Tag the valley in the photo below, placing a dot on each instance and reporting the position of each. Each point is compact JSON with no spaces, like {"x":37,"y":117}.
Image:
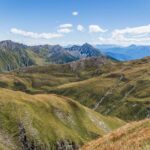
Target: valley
{"x":74,"y":75}
{"x":55,"y":103}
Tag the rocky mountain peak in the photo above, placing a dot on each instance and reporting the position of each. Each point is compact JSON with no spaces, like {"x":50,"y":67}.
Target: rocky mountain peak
{"x":8,"y":44}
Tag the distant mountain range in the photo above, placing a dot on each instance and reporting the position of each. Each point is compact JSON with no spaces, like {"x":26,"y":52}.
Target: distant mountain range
{"x":14,"y":55}
{"x":131,"y":52}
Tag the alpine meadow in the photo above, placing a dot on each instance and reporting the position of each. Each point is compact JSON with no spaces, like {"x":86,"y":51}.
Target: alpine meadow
{"x":74,"y":75}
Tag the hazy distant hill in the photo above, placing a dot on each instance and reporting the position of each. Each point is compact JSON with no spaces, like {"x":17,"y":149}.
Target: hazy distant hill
{"x":125,"y":53}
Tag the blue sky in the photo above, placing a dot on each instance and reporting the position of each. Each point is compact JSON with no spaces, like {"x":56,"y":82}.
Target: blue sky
{"x":64,"y":22}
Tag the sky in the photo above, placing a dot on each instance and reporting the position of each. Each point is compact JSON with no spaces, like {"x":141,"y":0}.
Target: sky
{"x":65,"y":22}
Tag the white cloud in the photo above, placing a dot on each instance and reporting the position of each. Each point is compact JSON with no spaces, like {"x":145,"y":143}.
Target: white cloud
{"x":64,"y":30}
{"x":35,"y":35}
{"x":135,"y":35}
{"x":80,"y":28}
{"x":96,"y":29}
{"x":133,"y":30}
{"x":67,"y":25}
{"x":75,"y":13}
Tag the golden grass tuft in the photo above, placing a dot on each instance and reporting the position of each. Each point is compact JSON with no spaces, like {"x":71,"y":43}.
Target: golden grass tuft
{"x":133,"y":136}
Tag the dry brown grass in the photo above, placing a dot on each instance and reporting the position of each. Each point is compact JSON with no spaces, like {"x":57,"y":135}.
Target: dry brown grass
{"x":133,"y":136}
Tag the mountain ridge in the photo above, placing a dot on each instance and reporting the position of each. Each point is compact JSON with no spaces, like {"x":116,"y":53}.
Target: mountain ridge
{"x":134,"y":135}
{"x":48,"y":121}
{"x":86,"y":50}
{"x":23,"y":56}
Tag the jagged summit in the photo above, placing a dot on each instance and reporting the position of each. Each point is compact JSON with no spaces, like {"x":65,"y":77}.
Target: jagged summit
{"x":87,"y":45}
{"x":86,"y":50}
{"x":8,"y":44}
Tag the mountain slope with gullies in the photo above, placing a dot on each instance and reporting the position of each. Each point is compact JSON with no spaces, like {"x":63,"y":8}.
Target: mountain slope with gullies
{"x":53,"y":54}
{"x":132,"y":136}
{"x":13,"y":55}
{"x":48,"y":121}
{"x":41,"y":79}
{"x":118,"y":89}
{"x":45,"y":107}
{"x":109,"y":87}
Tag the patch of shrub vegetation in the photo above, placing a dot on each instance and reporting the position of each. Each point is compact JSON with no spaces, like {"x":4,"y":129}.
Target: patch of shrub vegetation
{"x":3,"y":84}
{"x":20,"y":86}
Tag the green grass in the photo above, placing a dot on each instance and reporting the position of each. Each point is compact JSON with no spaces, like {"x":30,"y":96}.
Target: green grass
{"x":87,"y":82}
{"x":50,"y":118}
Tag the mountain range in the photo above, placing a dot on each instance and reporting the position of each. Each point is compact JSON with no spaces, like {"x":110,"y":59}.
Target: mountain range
{"x":131,"y":52}
{"x":62,"y":106}
{"x":56,"y":98}
{"x":15,"y":55}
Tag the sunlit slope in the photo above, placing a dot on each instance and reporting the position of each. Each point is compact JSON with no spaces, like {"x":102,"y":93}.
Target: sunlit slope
{"x":41,"y":79}
{"x":111,"y":88}
{"x":133,"y":136}
{"x":46,"y":120}
{"x":123,"y":90}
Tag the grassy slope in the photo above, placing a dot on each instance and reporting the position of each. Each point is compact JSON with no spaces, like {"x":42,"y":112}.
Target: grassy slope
{"x":133,"y":136}
{"x":87,"y":82}
{"x":48,"y":118}
{"x":128,"y":98}
{"x":43,"y":78}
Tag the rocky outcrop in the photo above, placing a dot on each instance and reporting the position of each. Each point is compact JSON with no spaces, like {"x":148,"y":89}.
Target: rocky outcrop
{"x":66,"y":145}
{"x":27,"y":144}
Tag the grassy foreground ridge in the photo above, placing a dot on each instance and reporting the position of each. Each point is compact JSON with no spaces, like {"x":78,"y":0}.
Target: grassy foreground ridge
{"x":44,"y":120}
{"x":61,"y":106}
{"x":133,"y":136}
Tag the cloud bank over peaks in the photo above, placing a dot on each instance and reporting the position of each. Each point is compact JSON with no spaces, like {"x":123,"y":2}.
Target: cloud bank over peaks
{"x":131,"y":35}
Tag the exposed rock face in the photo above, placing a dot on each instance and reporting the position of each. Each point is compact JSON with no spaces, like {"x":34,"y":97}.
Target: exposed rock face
{"x":53,"y":54}
{"x":66,"y":145}
{"x":86,"y":50}
{"x":27,"y":144}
